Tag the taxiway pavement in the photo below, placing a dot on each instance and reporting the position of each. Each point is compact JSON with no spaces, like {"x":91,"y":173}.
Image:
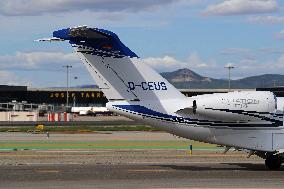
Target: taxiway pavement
{"x":128,"y":160}
{"x":189,"y":175}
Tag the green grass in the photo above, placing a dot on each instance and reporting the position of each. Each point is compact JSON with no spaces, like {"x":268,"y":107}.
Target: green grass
{"x":80,"y":128}
{"x":49,"y":145}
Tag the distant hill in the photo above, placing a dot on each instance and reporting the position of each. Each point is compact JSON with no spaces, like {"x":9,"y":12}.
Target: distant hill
{"x":185,"y":78}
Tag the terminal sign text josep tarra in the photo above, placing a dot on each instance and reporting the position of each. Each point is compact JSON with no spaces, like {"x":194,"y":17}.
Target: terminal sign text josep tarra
{"x":148,"y":86}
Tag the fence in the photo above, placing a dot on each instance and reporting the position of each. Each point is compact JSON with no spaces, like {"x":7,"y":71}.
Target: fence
{"x":18,"y":116}
{"x":59,"y":116}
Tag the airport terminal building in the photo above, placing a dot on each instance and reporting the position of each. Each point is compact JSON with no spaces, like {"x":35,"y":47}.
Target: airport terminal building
{"x":54,"y":96}
{"x":83,"y":97}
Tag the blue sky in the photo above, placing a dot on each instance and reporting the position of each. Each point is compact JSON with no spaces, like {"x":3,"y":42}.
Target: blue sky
{"x":201,"y":35}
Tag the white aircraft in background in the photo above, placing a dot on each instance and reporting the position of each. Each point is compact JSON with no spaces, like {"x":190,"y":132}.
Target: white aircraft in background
{"x":90,"y":110}
{"x":244,"y":120}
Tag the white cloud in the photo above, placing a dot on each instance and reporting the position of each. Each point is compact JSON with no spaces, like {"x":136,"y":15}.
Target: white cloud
{"x":266,"y":19}
{"x":39,"y":7}
{"x":10,"y":78}
{"x":165,"y":63}
{"x":240,"y":7}
{"x":53,"y":61}
{"x":37,"y":60}
{"x":169,"y":63}
{"x":41,"y":69}
{"x":246,"y":67}
{"x":243,"y":68}
{"x":16,"y":69}
{"x":195,"y":62}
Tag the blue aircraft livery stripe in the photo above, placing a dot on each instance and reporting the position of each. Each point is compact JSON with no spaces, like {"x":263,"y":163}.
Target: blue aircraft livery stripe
{"x":260,"y":115}
{"x":249,"y":112}
{"x":148,"y":113}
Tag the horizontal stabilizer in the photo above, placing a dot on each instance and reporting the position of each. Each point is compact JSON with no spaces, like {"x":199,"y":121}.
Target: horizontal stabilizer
{"x":52,"y":39}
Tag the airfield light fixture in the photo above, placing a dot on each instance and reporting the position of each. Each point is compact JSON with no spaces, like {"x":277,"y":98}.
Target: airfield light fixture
{"x":67,"y":83}
{"x":229,"y":67}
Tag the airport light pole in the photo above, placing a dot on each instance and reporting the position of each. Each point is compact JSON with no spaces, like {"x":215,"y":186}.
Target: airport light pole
{"x":274,"y":83}
{"x":67,"y":84}
{"x":74,"y":98}
{"x":229,"y":67}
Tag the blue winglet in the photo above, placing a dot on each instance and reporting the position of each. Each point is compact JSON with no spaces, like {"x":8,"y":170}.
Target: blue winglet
{"x":62,"y":34}
{"x":98,"y":39}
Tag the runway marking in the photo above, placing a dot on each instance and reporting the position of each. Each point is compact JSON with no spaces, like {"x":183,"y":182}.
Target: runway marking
{"x":149,"y":170}
{"x":46,"y":171}
{"x":212,"y":188}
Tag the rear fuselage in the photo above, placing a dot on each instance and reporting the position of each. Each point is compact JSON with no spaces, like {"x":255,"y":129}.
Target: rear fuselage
{"x":246,"y":120}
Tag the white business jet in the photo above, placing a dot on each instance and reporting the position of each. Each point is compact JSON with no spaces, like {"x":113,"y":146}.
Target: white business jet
{"x":241,"y":120}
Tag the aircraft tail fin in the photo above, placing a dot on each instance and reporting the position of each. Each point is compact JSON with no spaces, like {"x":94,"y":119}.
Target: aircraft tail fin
{"x":116,"y":69}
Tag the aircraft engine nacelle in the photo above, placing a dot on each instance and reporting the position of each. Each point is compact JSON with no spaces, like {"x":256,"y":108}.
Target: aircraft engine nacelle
{"x":234,"y":106}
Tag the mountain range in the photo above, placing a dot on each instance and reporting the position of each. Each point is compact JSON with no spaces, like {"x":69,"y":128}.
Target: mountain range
{"x":186,"y":78}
